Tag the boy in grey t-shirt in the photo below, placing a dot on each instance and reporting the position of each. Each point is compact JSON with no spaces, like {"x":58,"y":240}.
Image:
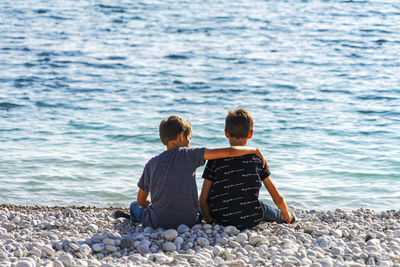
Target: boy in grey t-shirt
{"x":170,"y":178}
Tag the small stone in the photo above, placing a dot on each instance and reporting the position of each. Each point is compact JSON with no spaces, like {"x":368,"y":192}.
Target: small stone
{"x":234,"y":244}
{"x":234,"y":263}
{"x":143,"y":249}
{"x":169,"y":246}
{"x":24,"y":263}
{"x":396,"y":234}
{"x":98,"y":247}
{"x":85,"y":250}
{"x":183,"y":229}
{"x":196,"y":227}
{"x":57,"y":263}
{"x":92,"y":228}
{"x":230,"y":229}
{"x":126,"y":243}
{"x":35,"y":251}
{"x":49,"y":250}
{"x":178,"y":240}
{"x":111,"y":248}
{"x":9,"y":226}
{"x":74,"y":246}
{"x":311,"y":228}
{"x":241,"y":238}
{"x":326,"y":262}
{"x":148,"y":230}
{"x":109,"y":241}
{"x":254,"y":239}
{"x":170,"y":234}
{"x":337,"y":251}
{"x":202,"y":241}
{"x":67,"y":260}
{"x":207,"y":226}
{"x":222,"y":240}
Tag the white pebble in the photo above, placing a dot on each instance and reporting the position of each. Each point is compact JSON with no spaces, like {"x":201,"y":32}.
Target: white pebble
{"x":66,"y":259}
{"x":169,"y":246}
{"x":207,"y":226}
{"x":178,"y":240}
{"x":337,"y":250}
{"x":74,"y":246}
{"x":111,"y":248}
{"x":98,"y":247}
{"x":148,"y":230}
{"x":241,"y":238}
{"x":170,"y":234}
{"x":108,"y":241}
{"x":202,"y":241}
{"x":92,"y":228}
{"x":183,"y":229}
{"x":24,"y":263}
{"x":254,"y":239}
{"x":85,"y":249}
{"x":49,"y":250}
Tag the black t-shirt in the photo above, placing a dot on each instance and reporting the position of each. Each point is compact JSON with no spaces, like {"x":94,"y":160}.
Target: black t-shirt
{"x":233,"y":197}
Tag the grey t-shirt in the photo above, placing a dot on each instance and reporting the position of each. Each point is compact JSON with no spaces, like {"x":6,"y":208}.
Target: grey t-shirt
{"x":171,"y":180}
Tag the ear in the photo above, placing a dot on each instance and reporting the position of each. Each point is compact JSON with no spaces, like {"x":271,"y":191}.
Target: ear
{"x":250,"y":134}
{"x":227,"y":134}
{"x":181,"y":136}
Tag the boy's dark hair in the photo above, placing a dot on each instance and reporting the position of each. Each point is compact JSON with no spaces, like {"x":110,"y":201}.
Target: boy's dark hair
{"x":238,"y":123}
{"x":171,"y":127}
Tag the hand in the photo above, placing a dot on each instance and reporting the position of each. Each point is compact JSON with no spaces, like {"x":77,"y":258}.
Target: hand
{"x":286,"y":217}
{"x":258,"y":154}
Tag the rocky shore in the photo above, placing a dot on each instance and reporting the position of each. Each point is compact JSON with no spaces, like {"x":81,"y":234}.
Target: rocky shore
{"x":86,"y":236}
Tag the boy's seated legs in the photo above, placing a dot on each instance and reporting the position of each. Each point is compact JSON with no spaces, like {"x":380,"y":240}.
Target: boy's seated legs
{"x":136,"y":212}
{"x":271,"y":214}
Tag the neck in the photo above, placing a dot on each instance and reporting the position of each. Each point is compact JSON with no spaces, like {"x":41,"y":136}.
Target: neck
{"x":238,"y":141}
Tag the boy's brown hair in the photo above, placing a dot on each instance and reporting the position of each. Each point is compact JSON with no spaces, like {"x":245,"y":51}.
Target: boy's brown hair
{"x":239,"y":123}
{"x":171,"y":127}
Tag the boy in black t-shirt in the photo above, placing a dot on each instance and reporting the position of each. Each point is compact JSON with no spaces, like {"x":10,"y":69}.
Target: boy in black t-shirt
{"x":231,"y":185}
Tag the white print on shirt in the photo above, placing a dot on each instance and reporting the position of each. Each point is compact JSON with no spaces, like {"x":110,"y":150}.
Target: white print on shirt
{"x":248,"y":202}
{"x":232,"y":185}
{"x":218,"y":182}
{"x":248,"y":216}
{"x":230,"y":172}
{"x":230,"y":200}
{"x":230,"y":214}
{"x":249,"y":188}
{"x":220,"y":195}
{"x":249,"y":174}
{"x":250,"y":161}
{"x":221,"y":167}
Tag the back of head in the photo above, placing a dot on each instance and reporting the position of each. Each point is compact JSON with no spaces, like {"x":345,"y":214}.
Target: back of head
{"x":238,"y":123}
{"x":171,"y":127}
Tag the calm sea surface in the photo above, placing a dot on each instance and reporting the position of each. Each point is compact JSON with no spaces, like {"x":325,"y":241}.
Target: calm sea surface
{"x":84,"y":85}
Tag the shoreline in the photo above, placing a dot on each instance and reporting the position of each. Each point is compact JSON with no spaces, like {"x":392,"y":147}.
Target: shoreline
{"x":90,"y":236}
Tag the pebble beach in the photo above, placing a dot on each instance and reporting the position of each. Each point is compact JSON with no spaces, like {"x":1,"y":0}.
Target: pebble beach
{"x":89,"y":236}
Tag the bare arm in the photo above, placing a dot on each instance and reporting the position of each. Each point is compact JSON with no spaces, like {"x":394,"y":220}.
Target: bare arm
{"x":203,"y":200}
{"x":233,"y":151}
{"x":142,"y":199}
{"x":278,"y":199}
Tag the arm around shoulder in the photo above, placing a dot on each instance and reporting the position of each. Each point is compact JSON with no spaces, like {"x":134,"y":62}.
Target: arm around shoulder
{"x":233,"y":151}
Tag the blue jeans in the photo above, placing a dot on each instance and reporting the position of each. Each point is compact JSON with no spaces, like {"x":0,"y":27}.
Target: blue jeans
{"x":271,"y":214}
{"x":135,"y":212}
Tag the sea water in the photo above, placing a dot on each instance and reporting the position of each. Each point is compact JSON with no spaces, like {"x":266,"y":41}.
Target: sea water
{"x":84,"y":85}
